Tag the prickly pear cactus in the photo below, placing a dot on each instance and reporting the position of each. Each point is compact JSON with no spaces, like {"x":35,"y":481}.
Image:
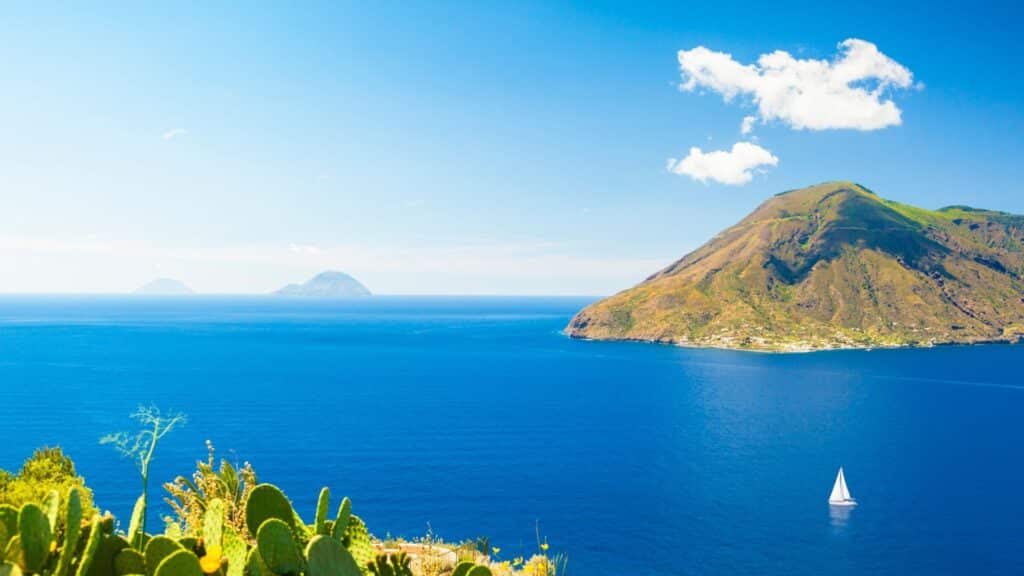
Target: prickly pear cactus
{"x":213,"y":523}
{"x":234,"y":550}
{"x":135,"y":535}
{"x":470,"y":569}
{"x":278,"y":548}
{"x":321,"y":511}
{"x":107,"y":549}
{"x":172,"y":529}
{"x":8,"y":525}
{"x":341,"y":522}
{"x":107,"y":523}
{"x":181,"y":563}
{"x":266,"y":501}
{"x":158,"y":548}
{"x":12,"y":553}
{"x":72,"y":532}
{"x":254,"y":564}
{"x":129,"y":561}
{"x":394,"y":565}
{"x":189,"y":543}
{"x":325,"y":556}
{"x":356,"y":539}
{"x":51,"y":507}
{"x":402,"y":564}
{"x":35,"y":537}
{"x":91,"y":545}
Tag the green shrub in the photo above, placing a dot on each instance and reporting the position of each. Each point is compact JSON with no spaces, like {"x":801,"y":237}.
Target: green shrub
{"x":48,"y":528}
{"x":190,"y":498}
{"x":47,"y":469}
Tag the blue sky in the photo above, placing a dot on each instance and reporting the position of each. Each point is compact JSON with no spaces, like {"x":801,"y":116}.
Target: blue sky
{"x":460,"y":148}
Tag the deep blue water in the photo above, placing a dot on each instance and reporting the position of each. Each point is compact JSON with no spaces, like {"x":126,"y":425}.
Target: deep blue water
{"x":477,"y":416}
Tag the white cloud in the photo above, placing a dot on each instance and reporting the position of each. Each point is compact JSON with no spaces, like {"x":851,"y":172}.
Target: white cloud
{"x":303,"y":248}
{"x":731,"y":167}
{"x":848,"y":92}
{"x":747,"y":126}
{"x":173,"y":133}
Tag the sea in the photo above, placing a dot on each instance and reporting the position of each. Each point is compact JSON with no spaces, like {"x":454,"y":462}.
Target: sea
{"x":468,"y":417}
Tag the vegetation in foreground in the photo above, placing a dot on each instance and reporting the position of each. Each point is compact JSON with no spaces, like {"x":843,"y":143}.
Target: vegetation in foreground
{"x":831,"y":266}
{"x":224,"y":523}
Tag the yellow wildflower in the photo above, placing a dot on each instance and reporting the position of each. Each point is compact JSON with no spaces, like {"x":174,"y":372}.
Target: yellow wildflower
{"x":518,"y":561}
{"x":544,"y":546}
{"x":495,"y":549}
{"x":211,"y":562}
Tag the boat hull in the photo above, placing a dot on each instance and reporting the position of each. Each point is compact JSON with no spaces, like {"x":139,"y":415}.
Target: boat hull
{"x":850,"y":502}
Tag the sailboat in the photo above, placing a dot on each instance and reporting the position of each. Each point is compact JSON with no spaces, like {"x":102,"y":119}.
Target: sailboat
{"x":840,"y":493}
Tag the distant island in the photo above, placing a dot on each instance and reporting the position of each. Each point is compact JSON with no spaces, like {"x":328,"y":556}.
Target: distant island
{"x":164,"y":287}
{"x":831,"y":266}
{"x":329,"y":284}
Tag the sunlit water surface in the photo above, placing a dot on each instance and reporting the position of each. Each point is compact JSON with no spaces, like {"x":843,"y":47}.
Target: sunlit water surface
{"x":475,"y":416}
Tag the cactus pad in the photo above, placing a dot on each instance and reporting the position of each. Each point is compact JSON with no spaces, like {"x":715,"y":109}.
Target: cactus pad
{"x":158,"y":548}
{"x":356,"y":539}
{"x":91,"y":545}
{"x":213,"y":523}
{"x":51,"y":507}
{"x":34,"y":529}
{"x":9,"y":522}
{"x":129,"y":561}
{"x":254,"y":564}
{"x":321,"y":510}
{"x":181,"y":563}
{"x":341,"y":522}
{"x":135,"y":527}
{"x":277,"y":547}
{"x":265,"y":502}
{"x":327,"y":557}
{"x":103,"y":561}
{"x":72,"y":531}
{"x":234,"y":550}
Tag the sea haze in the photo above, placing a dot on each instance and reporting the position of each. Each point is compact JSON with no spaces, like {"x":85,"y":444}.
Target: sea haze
{"x":476,"y":416}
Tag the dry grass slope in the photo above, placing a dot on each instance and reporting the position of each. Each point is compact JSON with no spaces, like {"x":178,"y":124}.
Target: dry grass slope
{"x":831,"y":266}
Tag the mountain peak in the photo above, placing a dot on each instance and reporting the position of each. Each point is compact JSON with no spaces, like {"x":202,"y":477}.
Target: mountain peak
{"x":832,"y":265}
{"x":814,"y":198}
{"x":825,"y":188}
{"x":327,"y":284}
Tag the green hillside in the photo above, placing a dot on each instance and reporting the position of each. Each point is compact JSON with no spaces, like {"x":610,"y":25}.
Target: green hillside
{"x":830,"y":266}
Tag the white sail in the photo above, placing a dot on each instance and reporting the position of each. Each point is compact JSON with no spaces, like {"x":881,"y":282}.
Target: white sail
{"x":840,"y":493}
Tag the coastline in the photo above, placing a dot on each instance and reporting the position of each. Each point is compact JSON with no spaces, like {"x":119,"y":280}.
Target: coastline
{"x":796,"y":349}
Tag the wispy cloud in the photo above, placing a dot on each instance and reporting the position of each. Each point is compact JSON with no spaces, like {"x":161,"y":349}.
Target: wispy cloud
{"x":173,"y":133}
{"x":849,"y":92}
{"x":747,"y":126}
{"x":733,"y":167}
{"x":304,"y":248}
